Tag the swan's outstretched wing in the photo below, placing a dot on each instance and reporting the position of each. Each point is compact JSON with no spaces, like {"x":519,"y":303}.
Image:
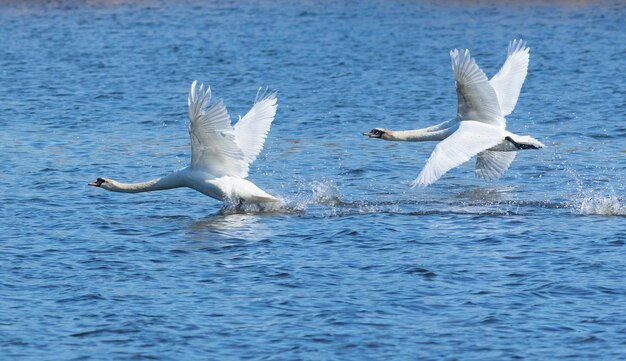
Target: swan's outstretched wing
{"x":213,"y":146}
{"x":252,"y":129}
{"x":477,"y":99}
{"x":491,"y":165}
{"x":470,"y":139}
{"x":508,"y":82}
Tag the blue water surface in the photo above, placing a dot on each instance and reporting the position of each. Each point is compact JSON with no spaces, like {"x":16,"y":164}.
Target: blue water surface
{"x":360,"y":266}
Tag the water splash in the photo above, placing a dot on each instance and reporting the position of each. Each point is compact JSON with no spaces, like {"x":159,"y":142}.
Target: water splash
{"x":593,"y":193}
{"x":601,"y":205}
{"x":592,"y":201}
{"x":262,"y":207}
{"x":325,"y":192}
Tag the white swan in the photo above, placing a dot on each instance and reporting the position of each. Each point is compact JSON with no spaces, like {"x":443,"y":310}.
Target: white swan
{"x":479,"y":127}
{"x":220,"y":153}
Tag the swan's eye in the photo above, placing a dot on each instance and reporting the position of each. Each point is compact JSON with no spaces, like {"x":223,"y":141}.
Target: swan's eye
{"x":100,"y":181}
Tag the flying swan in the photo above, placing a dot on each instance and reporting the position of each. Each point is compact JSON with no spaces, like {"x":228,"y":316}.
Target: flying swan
{"x":479,"y":127}
{"x":221,"y":154}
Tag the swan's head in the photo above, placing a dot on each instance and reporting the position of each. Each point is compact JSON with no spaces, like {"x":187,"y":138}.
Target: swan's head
{"x":105,"y":183}
{"x":378,"y":133}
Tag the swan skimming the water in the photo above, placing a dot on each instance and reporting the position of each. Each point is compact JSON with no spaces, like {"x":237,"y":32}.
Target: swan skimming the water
{"x":221,"y":154}
{"x":479,"y":127}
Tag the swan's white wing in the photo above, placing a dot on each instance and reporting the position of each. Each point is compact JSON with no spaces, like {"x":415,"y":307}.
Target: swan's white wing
{"x":213,"y":146}
{"x":477,"y":99}
{"x":252,"y":129}
{"x":491,"y":165}
{"x":470,"y":139}
{"x":508,"y":82}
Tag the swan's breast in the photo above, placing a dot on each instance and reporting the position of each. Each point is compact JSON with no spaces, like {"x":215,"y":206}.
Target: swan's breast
{"x":224,"y":187}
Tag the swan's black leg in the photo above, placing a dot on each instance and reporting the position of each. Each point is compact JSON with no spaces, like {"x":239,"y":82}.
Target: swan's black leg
{"x":520,"y":145}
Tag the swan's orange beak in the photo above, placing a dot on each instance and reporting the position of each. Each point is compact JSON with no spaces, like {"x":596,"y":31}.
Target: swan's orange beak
{"x":97,"y":183}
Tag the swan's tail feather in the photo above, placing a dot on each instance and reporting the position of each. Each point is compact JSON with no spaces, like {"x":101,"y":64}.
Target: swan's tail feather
{"x":262,"y":199}
{"x":522,"y":142}
{"x":533,"y":141}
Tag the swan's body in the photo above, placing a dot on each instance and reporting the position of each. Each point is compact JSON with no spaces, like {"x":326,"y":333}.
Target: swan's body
{"x":220,"y":153}
{"x":479,"y":127}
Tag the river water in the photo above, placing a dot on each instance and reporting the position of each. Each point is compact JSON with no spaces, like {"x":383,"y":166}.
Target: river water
{"x":360,"y":266}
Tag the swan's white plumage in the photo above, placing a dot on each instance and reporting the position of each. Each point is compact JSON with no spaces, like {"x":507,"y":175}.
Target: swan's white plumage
{"x":479,"y":127}
{"x":491,"y":164}
{"x":469,"y":139}
{"x":508,"y":82}
{"x":220,"y":154}
{"x":476,"y":98}
{"x":482,"y":106}
{"x":219,"y":148}
{"x":213,"y":146}
{"x":252,"y":129}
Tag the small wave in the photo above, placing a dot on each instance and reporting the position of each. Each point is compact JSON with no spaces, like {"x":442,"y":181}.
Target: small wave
{"x":601,"y":205}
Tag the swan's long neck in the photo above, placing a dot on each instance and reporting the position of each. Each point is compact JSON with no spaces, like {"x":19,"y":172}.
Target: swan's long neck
{"x":436,"y":132}
{"x":174,"y":180}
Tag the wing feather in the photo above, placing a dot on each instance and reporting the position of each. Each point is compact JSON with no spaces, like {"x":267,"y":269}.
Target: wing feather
{"x":252,"y":129}
{"x":491,"y":165}
{"x":213,"y":145}
{"x":508,"y":82}
{"x":470,"y":139}
{"x":476,"y":98}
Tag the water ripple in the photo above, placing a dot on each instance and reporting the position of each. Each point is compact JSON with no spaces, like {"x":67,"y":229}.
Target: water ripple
{"x":358,"y":265}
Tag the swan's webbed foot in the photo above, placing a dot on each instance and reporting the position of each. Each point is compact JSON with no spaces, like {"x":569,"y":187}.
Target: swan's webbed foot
{"x":239,"y":204}
{"x":376,"y":133}
{"x":233,"y":205}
